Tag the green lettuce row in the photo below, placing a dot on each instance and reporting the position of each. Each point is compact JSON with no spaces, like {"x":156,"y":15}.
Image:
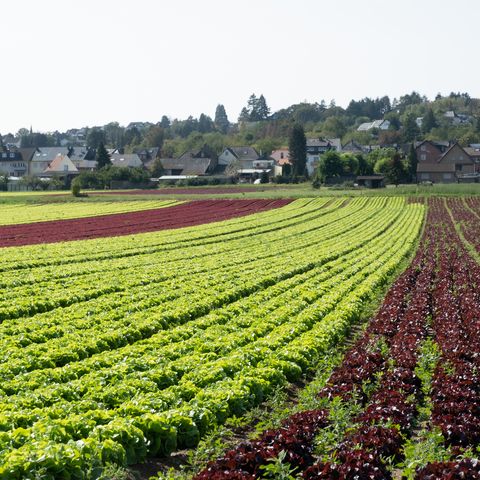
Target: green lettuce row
{"x":28,"y":213}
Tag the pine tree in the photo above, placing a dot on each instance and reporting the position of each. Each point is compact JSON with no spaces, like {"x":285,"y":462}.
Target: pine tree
{"x":410,"y":128}
{"x":428,"y":121}
{"x":297,"y":150}
{"x":157,"y":169}
{"x":205,"y":124}
{"x":221,"y":119}
{"x":165,"y":122}
{"x":244,"y":115}
{"x":412,"y":163}
{"x":102,"y":157}
{"x":251,"y":107}
{"x":261,"y":108}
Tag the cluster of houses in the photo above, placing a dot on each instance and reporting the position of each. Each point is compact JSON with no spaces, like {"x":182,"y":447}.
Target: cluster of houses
{"x":47,"y":162}
{"x":441,"y":162}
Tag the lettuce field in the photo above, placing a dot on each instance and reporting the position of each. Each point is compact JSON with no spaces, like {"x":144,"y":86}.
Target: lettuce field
{"x":128,"y":336}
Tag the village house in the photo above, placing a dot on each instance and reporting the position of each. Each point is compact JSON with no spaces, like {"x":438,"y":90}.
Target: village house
{"x":249,"y":164}
{"x":61,"y":167}
{"x":282,"y":161}
{"x":81,"y":157}
{"x":244,"y":156}
{"x":43,"y":157}
{"x":191,"y":163}
{"x":126,"y":160}
{"x":14,"y":162}
{"x":453,"y":164}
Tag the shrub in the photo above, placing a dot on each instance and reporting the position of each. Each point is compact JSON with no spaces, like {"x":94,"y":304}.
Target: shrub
{"x":76,"y":186}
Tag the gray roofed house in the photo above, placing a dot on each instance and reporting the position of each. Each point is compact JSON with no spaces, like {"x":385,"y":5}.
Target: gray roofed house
{"x":77,"y":154}
{"x":85,"y":165}
{"x":245,"y":155}
{"x":129,"y":160}
{"x":43,"y":157}
{"x":12,"y":163}
{"x":188,"y":166}
{"x":46,"y":155}
{"x":193,"y":162}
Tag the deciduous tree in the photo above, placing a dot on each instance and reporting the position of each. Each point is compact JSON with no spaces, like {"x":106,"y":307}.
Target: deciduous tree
{"x":330,"y":165}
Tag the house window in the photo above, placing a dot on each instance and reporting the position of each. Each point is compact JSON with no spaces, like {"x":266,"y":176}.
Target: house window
{"x":425,"y":176}
{"x":423,"y":156}
{"x":458,"y":167}
{"x":447,"y":176}
{"x":423,"y":148}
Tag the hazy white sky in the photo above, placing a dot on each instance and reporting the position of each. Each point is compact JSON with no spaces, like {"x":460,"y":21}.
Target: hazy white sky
{"x":73,"y":63}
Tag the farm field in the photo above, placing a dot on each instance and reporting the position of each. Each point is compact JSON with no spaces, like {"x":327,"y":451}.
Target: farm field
{"x":117,"y":350}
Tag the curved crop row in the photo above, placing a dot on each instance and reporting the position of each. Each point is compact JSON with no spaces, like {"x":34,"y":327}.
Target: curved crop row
{"x":176,"y":216}
{"x":14,"y":214}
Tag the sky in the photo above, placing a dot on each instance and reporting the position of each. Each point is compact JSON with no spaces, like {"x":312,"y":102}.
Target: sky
{"x":74,"y":63}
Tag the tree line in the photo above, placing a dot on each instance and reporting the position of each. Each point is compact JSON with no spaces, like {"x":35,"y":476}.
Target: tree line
{"x":412,"y":117}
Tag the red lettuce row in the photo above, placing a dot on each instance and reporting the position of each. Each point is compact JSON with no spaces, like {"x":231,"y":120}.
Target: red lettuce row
{"x":183,"y":215}
{"x":361,"y":454}
{"x":362,"y":363}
